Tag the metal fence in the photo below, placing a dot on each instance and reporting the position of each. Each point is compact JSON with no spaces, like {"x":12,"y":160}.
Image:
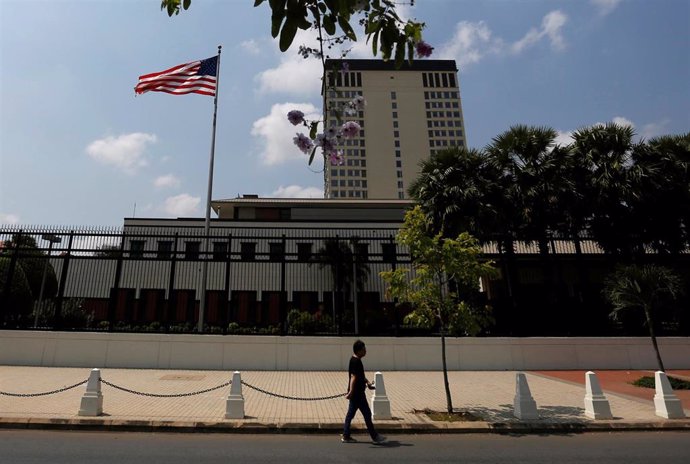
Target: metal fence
{"x":281,"y":281}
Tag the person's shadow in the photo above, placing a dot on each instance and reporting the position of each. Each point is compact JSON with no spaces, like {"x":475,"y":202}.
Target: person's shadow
{"x":390,"y":444}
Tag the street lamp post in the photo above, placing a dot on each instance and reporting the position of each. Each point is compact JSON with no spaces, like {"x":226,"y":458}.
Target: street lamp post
{"x":51,"y":239}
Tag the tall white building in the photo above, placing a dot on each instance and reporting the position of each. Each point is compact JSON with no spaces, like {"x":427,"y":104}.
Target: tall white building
{"x":410,"y":113}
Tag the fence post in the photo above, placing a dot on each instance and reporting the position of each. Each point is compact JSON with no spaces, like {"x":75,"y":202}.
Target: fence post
{"x":524,"y":405}
{"x":57,"y":321}
{"x":171,"y":307}
{"x":380,"y":404}
{"x":666,"y":402}
{"x":283,"y":294}
{"x":596,"y":404}
{"x":226,"y":305}
{"x":92,"y":401}
{"x":114,"y":293}
{"x":8,"y":280}
{"x":234,"y":406}
{"x":394,"y":265}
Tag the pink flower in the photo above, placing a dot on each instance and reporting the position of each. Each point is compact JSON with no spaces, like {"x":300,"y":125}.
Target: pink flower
{"x":304,"y":143}
{"x":423,"y":49}
{"x":359,"y":102}
{"x":346,"y":66}
{"x":350,"y":129}
{"x":336,"y":158}
{"x":295,"y":117}
{"x":325,"y":142}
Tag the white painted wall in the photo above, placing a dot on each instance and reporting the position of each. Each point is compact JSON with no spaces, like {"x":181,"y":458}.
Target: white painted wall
{"x":100,"y":350}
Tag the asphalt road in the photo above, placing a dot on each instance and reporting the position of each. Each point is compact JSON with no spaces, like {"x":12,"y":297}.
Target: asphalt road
{"x":62,"y":447}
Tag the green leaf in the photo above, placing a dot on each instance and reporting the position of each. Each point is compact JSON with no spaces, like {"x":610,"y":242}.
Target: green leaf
{"x":347,"y":29}
{"x":313,"y":129}
{"x":258,"y":2}
{"x":375,"y":43}
{"x":372,"y":26}
{"x":186,"y":4}
{"x":329,"y":24}
{"x":287,"y":34}
{"x":311,"y":157}
{"x":276,"y":21}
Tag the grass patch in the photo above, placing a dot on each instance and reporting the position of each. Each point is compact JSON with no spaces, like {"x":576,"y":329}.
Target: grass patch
{"x":648,"y":382}
{"x":445,"y":416}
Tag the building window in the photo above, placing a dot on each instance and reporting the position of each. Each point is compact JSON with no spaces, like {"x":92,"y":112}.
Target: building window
{"x":248,"y":250}
{"x":398,"y":163}
{"x":220,"y":251}
{"x":444,"y":76}
{"x":304,"y":251}
{"x":394,"y":105}
{"x":397,"y":144}
{"x":397,"y":153}
{"x":165,"y":249}
{"x":401,"y":195}
{"x":400,"y":184}
{"x":395,"y":114}
{"x":136,"y":248}
{"x":451,"y":79}
{"x":191,"y":250}
{"x":395,"y":124}
{"x":399,"y":174}
{"x":393,"y":95}
{"x":396,"y":133}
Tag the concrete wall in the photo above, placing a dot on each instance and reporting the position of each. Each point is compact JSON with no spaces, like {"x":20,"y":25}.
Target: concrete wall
{"x":67,"y":349}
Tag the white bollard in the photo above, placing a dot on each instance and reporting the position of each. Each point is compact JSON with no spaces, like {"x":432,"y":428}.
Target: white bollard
{"x":380,"y":404}
{"x":234,"y":407}
{"x":596,"y":404}
{"x":666,"y":402}
{"x":92,"y":401}
{"x":524,"y":405}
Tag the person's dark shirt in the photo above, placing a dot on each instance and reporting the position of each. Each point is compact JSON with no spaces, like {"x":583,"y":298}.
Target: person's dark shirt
{"x":356,"y":368}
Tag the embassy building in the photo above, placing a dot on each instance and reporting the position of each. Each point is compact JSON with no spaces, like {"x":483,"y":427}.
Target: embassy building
{"x":410,"y":113}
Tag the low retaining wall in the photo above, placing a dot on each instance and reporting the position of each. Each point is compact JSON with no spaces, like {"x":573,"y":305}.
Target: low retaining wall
{"x":232,"y":352}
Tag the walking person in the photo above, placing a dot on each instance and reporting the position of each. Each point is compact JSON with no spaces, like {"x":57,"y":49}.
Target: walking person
{"x":356,"y":387}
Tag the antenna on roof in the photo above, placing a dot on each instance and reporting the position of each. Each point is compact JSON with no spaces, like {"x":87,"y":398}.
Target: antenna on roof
{"x":134,"y":213}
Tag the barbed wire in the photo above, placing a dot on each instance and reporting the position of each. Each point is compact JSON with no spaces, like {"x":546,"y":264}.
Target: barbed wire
{"x":162,"y":395}
{"x":286,"y":397}
{"x":59,"y":390}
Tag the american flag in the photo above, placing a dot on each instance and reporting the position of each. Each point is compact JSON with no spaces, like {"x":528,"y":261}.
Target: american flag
{"x":195,"y":77}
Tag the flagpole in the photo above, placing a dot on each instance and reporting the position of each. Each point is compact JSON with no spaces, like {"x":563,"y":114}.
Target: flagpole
{"x":207,"y":223}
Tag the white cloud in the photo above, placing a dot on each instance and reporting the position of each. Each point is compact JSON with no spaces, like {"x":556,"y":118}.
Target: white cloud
{"x":473,"y":41}
{"x":564,"y":138}
{"x":297,"y":191}
{"x":9,"y":218}
{"x":168,"y":180}
{"x":621,"y":121}
{"x":276,"y":132}
{"x":470,"y":43}
{"x":605,"y":7}
{"x":251,"y":46}
{"x":181,"y":205}
{"x":295,"y":75}
{"x":125,"y":152}
{"x":551,"y":26}
{"x":654,"y":129}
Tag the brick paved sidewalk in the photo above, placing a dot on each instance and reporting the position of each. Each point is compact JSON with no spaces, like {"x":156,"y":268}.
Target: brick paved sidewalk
{"x":488,"y":395}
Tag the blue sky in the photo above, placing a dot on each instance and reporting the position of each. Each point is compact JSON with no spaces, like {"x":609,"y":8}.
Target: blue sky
{"x":77,"y":147}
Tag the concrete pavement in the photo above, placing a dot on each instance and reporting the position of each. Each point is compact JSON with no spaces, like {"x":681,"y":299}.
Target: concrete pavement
{"x":486,"y":394}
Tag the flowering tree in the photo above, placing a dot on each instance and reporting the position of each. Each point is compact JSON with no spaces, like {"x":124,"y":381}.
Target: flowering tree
{"x":333,"y":21}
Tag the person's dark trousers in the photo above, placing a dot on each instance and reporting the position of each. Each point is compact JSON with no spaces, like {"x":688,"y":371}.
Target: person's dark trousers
{"x":359,"y":402}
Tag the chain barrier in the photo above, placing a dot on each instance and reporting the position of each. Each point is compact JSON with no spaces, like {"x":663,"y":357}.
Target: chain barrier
{"x":30,"y":395}
{"x":175,"y":395}
{"x":285,"y":397}
{"x":159,"y":395}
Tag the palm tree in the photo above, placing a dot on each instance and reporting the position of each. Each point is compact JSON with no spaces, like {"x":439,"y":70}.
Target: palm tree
{"x":456,"y":189}
{"x":603,"y":157}
{"x":644,"y":288}
{"x":337,"y":255}
{"x":660,"y":203}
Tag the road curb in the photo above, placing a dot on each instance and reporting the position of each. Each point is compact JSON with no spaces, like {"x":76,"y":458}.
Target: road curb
{"x":117,"y":425}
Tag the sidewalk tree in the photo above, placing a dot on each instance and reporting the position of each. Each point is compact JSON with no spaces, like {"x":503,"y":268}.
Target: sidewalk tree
{"x":32,"y":261}
{"x":436,"y":261}
{"x":644,"y":288}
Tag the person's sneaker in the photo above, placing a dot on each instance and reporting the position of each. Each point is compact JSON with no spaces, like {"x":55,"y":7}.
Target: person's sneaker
{"x":345,"y":439}
{"x":379,"y":439}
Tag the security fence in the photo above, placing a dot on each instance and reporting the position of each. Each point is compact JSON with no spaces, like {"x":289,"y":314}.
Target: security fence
{"x":292,"y":280}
